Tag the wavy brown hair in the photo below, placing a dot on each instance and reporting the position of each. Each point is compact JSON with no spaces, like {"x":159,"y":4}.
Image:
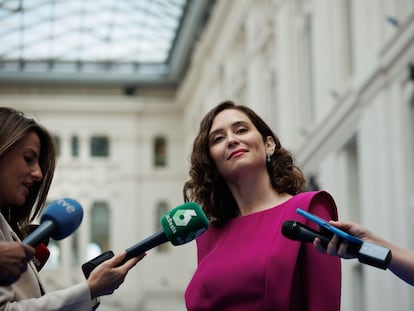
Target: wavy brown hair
{"x":210,"y":190}
{"x":13,"y":127}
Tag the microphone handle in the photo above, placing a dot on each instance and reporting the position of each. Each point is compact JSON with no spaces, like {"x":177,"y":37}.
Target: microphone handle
{"x":43,"y":231}
{"x":352,"y":248}
{"x":308,"y":235}
{"x":152,"y":241}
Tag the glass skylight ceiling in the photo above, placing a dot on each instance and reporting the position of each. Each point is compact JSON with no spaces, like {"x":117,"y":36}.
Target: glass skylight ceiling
{"x":118,"y":37}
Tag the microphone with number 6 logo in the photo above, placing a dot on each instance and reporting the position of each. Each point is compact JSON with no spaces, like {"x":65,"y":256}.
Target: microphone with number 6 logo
{"x":182,"y":224}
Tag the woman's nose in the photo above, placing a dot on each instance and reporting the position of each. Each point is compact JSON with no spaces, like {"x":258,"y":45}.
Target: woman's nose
{"x":37,"y":173}
{"x":232,"y":140}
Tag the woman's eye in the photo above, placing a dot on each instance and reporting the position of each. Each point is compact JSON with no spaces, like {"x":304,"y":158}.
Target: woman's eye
{"x":241,"y":130}
{"x":29,"y":159}
{"x":216,"y":139}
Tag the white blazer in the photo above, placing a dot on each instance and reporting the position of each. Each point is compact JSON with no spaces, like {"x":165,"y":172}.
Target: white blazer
{"x":26,"y":294}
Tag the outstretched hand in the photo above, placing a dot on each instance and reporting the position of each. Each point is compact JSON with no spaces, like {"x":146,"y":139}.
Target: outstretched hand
{"x":107,"y":277}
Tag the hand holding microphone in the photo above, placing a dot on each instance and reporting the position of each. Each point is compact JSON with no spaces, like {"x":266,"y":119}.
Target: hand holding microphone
{"x":109,"y":275}
{"x":58,"y":220}
{"x":366,"y":252}
{"x":182,"y":224}
{"x":297,"y":231}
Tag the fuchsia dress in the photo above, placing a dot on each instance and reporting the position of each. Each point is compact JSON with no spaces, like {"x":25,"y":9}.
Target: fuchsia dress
{"x":248,"y":265}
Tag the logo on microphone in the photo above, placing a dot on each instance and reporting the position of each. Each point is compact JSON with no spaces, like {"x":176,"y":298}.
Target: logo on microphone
{"x":183,"y":217}
{"x":68,"y":207}
{"x":180,"y":218}
{"x":184,"y":223}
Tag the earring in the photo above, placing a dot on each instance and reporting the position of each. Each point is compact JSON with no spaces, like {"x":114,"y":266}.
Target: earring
{"x":268,"y":157}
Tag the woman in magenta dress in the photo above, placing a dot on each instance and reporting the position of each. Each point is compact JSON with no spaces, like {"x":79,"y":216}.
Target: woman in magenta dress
{"x":248,"y":186}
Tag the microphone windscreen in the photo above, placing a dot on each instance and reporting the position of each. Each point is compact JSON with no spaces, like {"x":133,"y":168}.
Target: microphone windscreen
{"x":40,"y":256}
{"x":299,"y":232}
{"x":184,"y":223}
{"x":291,"y":230}
{"x":66,"y":214}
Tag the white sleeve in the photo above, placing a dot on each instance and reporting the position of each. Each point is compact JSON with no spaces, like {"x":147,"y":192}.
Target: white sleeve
{"x":76,"y":297}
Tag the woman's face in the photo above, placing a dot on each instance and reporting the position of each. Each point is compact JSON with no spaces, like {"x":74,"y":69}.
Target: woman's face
{"x":236,"y":144}
{"x":19,"y":169}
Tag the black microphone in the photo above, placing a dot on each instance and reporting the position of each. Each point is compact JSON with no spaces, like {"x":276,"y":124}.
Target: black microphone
{"x":296,"y":231}
{"x":58,"y":220}
{"x":182,"y":224}
{"x":367,"y":253}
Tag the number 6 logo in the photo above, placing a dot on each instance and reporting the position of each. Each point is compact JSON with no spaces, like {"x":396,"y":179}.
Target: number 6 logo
{"x":183,"y":217}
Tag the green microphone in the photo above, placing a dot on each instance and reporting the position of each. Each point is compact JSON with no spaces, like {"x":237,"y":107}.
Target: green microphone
{"x":180,"y":225}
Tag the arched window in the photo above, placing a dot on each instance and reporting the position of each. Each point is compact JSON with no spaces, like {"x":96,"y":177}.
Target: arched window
{"x":75,"y":249}
{"x":74,"y":141}
{"x":100,"y":229}
{"x":56,"y":140}
{"x":160,"y":151}
{"x":161,"y":209}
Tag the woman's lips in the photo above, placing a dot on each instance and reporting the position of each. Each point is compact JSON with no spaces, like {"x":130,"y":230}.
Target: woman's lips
{"x":237,"y":153}
{"x":27,"y":187}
